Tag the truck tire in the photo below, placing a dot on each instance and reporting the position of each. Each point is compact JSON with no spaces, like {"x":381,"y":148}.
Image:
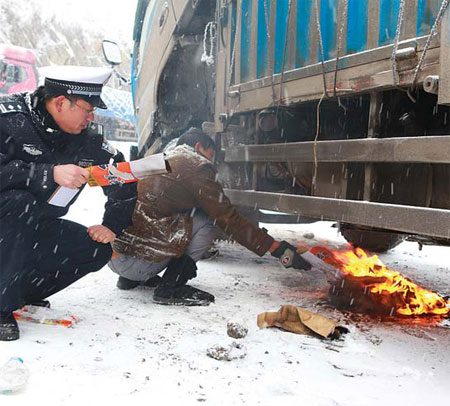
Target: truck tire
{"x":371,"y":240}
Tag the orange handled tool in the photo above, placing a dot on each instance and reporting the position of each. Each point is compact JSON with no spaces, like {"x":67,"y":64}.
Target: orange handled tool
{"x":126,"y":172}
{"x":111,"y":174}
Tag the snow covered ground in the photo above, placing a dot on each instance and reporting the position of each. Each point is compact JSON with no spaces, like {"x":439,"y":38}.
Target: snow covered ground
{"x":126,"y":348}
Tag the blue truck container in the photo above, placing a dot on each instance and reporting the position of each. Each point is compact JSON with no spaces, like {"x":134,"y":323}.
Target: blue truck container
{"x":325,"y":109}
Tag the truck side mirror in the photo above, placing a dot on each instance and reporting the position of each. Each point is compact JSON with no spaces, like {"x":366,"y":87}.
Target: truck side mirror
{"x":111,"y":52}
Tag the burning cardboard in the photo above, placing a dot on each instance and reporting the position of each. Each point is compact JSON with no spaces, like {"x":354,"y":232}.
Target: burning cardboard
{"x":367,"y":285}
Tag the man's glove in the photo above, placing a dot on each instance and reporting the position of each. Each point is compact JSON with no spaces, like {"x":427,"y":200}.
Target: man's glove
{"x":289,"y":257}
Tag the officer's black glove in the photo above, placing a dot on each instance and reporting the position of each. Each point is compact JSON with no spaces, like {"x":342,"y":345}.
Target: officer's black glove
{"x":289,"y":257}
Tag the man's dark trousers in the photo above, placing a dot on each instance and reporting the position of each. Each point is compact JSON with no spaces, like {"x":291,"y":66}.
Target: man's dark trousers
{"x":40,"y":256}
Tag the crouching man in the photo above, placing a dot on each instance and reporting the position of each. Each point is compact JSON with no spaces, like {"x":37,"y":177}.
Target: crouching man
{"x":174,"y":225}
{"x":47,"y":141}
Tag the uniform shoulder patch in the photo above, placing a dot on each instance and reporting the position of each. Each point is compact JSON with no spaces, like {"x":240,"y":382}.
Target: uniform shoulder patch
{"x":95,"y":128}
{"x":12,"y":107}
{"x":32,"y":149}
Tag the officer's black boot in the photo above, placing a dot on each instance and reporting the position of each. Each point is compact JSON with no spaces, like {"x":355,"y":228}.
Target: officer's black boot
{"x":173,"y":290}
{"x":9,"y":330}
{"x":40,"y":303}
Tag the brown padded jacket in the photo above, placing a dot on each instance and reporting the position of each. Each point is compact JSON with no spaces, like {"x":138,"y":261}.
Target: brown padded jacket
{"x":162,"y":219}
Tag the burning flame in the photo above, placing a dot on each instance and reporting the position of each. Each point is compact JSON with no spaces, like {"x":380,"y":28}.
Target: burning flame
{"x":372,"y":273}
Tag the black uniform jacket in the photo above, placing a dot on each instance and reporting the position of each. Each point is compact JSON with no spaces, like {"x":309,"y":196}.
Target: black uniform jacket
{"x":31,"y":144}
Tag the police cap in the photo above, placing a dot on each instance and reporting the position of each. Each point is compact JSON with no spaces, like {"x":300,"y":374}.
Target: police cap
{"x":80,"y":81}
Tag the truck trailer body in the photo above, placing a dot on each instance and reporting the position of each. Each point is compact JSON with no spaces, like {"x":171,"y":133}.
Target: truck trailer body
{"x":324,"y":109}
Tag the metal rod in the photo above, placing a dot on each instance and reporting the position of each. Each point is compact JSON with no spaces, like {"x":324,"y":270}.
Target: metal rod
{"x":432,"y":149}
{"x":406,"y":219}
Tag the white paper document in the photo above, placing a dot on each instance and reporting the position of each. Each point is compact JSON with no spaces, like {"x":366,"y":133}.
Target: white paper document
{"x":62,"y":196}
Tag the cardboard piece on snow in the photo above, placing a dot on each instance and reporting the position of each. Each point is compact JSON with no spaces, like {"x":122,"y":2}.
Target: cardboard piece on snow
{"x":301,"y":321}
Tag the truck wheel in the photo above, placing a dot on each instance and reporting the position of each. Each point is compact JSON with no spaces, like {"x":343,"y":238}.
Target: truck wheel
{"x":372,"y":240}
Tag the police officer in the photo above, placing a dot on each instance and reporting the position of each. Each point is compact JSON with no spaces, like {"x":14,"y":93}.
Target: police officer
{"x":47,"y":139}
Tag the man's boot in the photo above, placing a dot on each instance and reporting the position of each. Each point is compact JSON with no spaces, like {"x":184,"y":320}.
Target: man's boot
{"x":128,"y":284}
{"x":173,"y":289}
{"x":9,"y":330}
{"x":153,"y":282}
